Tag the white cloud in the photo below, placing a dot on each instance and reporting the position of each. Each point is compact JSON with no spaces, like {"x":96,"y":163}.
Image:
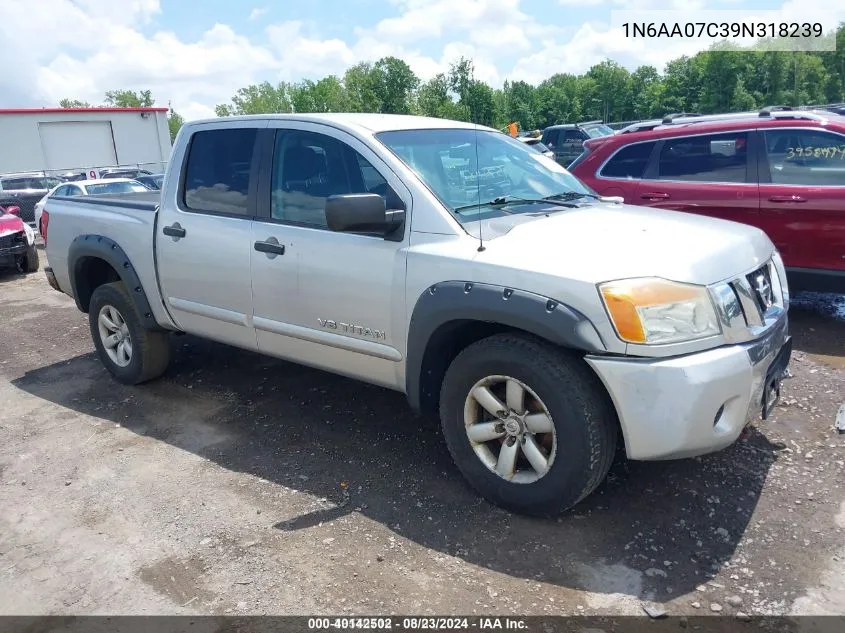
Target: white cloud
{"x":81,"y":48}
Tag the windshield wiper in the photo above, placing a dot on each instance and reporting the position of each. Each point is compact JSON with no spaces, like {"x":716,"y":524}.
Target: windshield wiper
{"x":503,"y":200}
{"x":571,"y":195}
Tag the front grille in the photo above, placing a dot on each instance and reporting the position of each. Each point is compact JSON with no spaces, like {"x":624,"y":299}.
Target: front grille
{"x":761,"y":284}
{"x":751,"y":303}
{"x":15,"y":239}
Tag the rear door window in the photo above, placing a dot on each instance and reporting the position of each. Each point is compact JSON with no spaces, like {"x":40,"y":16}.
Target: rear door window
{"x":716,"y":158}
{"x":630,"y":162}
{"x":217,"y":173}
{"x":805,"y":157}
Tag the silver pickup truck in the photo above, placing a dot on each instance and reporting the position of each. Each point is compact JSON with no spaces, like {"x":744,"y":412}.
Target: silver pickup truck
{"x":452,"y":263}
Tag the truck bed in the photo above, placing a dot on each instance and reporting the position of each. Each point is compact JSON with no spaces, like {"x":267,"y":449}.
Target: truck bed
{"x":142,"y":201}
{"x":127,"y":219}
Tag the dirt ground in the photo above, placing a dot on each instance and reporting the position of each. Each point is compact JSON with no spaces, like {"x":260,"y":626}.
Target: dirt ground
{"x":238,"y":484}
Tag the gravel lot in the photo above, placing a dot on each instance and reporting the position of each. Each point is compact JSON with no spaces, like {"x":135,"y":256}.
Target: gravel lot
{"x":240,"y":484}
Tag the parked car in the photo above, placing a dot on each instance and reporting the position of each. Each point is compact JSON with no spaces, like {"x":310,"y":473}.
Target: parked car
{"x":566,"y":141}
{"x":23,"y":190}
{"x":86,"y":188}
{"x":542,"y":323}
{"x":780,"y":170}
{"x":123,"y":172}
{"x":17,"y":241}
{"x":535,"y":143}
{"x":29,"y":181}
{"x":153,"y":181}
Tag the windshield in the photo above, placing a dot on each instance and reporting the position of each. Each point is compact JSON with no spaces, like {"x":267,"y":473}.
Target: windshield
{"x":115,"y":187}
{"x":461,"y":174}
{"x":599,"y":130}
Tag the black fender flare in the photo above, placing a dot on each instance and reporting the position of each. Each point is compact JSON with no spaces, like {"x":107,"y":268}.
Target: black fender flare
{"x":455,"y":301}
{"x":101,"y":247}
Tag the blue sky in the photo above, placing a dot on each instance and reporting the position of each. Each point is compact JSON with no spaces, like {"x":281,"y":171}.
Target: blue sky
{"x":198,"y":58}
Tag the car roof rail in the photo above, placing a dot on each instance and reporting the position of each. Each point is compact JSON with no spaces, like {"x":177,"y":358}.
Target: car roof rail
{"x":590,"y":122}
{"x":668,"y":118}
{"x":775,"y":108}
{"x":797,"y":114}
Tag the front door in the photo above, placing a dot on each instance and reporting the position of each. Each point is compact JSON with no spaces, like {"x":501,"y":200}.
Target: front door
{"x":802,"y":197}
{"x":327,"y":299}
{"x":204,"y":236}
{"x":705,"y":174}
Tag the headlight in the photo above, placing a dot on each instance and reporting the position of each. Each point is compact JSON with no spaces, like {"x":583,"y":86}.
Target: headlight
{"x":781,"y":272}
{"x":655,"y":311}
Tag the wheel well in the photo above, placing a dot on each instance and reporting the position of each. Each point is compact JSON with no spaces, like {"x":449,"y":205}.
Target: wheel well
{"x":447,"y":341}
{"x":91,"y":273}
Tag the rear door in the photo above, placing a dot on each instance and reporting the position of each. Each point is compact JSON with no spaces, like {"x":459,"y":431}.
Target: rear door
{"x":802,"y":196}
{"x":621,"y":173}
{"x":706,"y":174}
{"x":204,"y":240}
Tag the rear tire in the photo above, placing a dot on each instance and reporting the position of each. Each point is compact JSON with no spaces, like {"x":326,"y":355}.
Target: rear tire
{"x":564,"y":431}
{"x":31,"y":264}
{"x":131,"y":353}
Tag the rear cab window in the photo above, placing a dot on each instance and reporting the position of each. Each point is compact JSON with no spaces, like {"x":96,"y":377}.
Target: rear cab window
{"x":217,"y":171}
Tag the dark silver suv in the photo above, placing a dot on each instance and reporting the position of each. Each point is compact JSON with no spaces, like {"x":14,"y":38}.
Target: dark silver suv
{"x":567,"y":141}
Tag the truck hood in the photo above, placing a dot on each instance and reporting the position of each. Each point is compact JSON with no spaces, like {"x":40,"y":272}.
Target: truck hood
{"x":603,"y":242}
{"x":10,"y":224}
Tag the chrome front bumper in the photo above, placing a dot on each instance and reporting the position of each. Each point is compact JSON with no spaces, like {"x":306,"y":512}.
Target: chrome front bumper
{"x":693,"y":404}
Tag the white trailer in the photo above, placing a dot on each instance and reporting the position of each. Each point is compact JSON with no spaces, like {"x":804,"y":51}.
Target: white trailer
{"x":56,"y":140}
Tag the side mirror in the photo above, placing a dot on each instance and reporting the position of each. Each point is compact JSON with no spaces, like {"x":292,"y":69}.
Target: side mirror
{"x":613,"y":199}
{"x":13,"y":210}
{"x":362,"y":213}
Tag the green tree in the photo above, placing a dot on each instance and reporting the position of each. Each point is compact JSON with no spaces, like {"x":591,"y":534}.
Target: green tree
{"x":73,"y":103}
{"x":174,"y":122}
{"x":519,"y":104}
{"x":683,"y":85}
{"x":556,"y":99}
{"x":359,"y":81}
{"x":433,"y":98}
{"x":394,"y":84}
{"x":483,"y":104}
{"x":611,"y":91}
{"x":741,"y":99}
{"x":723,"y":78}
{"x":129,"y":99}
{"x":263,"y":98}
{"x":645,"y":95}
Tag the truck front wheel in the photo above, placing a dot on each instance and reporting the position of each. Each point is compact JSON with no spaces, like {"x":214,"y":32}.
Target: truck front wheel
{"x":528,"y":424}
{"x":131,"y":353}
{"x":31,"y":264}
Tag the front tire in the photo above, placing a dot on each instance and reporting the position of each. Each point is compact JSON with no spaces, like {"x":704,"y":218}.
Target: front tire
{"x":131,"y":353}
{"x":31,"y":259}
{"x":528,"y":424}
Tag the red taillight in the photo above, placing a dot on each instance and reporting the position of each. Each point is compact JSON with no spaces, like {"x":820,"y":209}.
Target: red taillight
{"x":45,"y":219}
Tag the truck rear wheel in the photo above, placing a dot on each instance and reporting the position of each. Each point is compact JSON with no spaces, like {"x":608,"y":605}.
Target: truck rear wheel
{"x":528,"y":424}
{"x":131,"y":353}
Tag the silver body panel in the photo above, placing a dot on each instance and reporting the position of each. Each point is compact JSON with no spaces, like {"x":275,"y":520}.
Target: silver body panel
{"x":343,"y":302}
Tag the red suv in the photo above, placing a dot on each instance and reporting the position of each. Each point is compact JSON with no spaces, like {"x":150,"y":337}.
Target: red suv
{"x":780,"y":170}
